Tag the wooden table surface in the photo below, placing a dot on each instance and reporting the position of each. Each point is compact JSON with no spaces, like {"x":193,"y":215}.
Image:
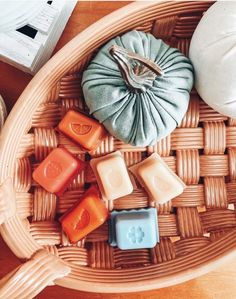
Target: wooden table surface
{"x":220,"y":284}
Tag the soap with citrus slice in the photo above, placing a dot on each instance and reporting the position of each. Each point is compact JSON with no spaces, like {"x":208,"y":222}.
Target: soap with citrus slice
{"x":85,"y":216}
{"x":82,"y":129}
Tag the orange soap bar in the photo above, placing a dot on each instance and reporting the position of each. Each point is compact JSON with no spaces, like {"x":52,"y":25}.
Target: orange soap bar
{"x":82,"y":129}
{"x":57,"y":171}
{"x":84,"y":217}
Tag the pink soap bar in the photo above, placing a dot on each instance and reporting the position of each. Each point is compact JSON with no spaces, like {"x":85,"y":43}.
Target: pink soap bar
{"x":57,"y":171}
{"x":160,"y":182}
{"x":112,"y":176}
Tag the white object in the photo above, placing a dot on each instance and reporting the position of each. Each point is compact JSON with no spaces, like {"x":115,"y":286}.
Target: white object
{"x":17,"y":13}
{"x":213,"y":54}
{"x":112,"y":176}
{"x":28,"y":48}
{"x":160,"y":182}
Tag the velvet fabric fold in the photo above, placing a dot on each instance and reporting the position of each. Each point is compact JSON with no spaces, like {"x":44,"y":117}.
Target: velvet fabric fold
{"x":138,"y":118}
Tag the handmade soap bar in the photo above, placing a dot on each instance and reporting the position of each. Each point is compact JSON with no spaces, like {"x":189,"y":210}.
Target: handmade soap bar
{"x":84,"y":217}
{"x":112,"y":176}
{"x":57,"y":171}
{"x":160,"y":182}
{"x":82,"y":129}
{"x":134,"y":229}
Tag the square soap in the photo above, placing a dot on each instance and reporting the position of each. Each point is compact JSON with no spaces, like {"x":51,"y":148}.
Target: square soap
{"x":134,"y":229}
{"x":112,"y":176}
{"x":84,"y":217}
{"x":160,"y":182}
{"x":82,"y":129}
{"x":57,"y":171}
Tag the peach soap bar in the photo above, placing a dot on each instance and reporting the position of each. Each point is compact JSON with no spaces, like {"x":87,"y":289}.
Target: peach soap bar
{"x":112,"y":176}
{"x":57,"y":171}
{"x":84,"y":217}
{"x":82,"y":129}
{"x":160,"y":182}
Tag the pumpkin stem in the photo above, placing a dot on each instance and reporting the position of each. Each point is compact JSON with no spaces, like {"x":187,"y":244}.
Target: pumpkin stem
{"x":137,"y":71}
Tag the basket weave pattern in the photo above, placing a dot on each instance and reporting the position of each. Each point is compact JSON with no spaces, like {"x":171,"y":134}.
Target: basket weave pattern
{"x":202,"y":151}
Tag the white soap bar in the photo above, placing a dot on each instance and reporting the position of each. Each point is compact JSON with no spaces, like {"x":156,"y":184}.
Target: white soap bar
{"x":112,"y":176}
{"x":160,"y":182}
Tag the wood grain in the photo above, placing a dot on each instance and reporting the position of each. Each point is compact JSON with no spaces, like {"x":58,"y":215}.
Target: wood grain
{"x":218,"y":284}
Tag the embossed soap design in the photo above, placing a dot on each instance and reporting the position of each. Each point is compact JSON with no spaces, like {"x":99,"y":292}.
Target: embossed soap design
{"x":112,"y":176}
{"x":138,"y":87}
{"x":57,"y":171}
{"x":160,"y":182}
{"x":134,"y":229}
{"x":85,"y":216}
{"x":82,"y":129}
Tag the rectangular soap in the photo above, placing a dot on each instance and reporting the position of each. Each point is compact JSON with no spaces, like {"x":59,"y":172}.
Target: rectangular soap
{"x":84,"y":217}
{"x":160,"y":182}
{"x":57,"y":171}
{"x":82,"y":129}
{"x":112,"y":176}
{"x":134,"y":229}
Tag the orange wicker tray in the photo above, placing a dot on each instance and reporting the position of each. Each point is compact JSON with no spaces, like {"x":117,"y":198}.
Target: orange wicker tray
{"x":198,"y":228}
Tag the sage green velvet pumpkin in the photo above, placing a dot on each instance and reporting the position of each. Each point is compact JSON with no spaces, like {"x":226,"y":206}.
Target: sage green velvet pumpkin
{"x":138,"y":87}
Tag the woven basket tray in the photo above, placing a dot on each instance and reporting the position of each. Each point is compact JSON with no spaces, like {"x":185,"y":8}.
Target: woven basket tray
{"x":197,"y":228}
{"x":3,"y":112}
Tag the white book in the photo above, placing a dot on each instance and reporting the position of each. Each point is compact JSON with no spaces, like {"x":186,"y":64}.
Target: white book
{"x":30,"y":47}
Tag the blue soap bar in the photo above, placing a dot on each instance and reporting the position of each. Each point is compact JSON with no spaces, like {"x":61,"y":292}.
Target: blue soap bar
{"x":134,"y":229}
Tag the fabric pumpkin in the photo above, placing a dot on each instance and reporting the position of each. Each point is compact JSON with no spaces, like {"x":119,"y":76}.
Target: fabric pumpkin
{"x":138,"y":87}
{"x":213,"y":54}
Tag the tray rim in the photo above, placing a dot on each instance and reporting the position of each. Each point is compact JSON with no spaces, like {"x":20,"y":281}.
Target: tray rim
{"x":53,"y":71}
